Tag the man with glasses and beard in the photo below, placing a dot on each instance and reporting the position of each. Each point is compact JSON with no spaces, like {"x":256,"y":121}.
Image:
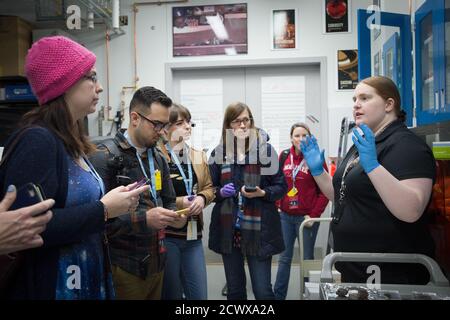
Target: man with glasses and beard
{"x":137,"y":239}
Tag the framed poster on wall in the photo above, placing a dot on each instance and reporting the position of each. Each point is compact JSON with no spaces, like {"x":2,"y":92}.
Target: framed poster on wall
{"x":209,"y":30}
{"x":336,"y":16}
{"x":347,"y":61}
{"x":283,"y":29}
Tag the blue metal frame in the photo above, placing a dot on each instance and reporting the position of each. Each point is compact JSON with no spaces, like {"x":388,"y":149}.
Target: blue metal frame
{"x":437,"y":10}
{"x":429,"y":116}
{"x":364,"y":49}
{"x":391,"y":44}
{"x":440,"y":14}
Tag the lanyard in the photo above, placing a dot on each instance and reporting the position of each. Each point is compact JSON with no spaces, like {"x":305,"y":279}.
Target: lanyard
{"x":151,"y":165}
{"x":296,"y":169}
{"x":96,"y":176}
{"x":187,"y":182}
{"x":352,"y":161}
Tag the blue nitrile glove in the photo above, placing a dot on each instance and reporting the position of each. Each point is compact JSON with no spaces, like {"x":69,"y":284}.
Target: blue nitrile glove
{"x":228,"y":190}
{"x":312,"y":154}
{"x":366,"y":148}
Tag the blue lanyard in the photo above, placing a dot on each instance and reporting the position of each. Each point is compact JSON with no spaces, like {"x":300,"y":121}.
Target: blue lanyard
{"x":151,"y":165}
{"x":296,"y":169}
{"x":187,"y":182}
{"x":96,"y":176}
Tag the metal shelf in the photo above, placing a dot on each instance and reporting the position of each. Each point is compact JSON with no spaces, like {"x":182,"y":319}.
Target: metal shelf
{"x":434,"y":128}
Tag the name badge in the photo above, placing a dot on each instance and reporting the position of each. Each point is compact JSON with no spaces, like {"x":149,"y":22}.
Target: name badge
{"x":293,"y":192}
{"x":158,"y":182}
{"x":191,"y":230}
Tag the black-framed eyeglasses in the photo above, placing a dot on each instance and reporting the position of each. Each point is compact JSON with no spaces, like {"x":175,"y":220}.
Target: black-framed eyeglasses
{"x":238,"y":122}
{"x":93,"y":77}
{"x":157,"y":125}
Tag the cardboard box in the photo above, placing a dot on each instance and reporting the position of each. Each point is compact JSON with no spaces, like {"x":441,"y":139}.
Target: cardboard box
{"x":15,"y":40}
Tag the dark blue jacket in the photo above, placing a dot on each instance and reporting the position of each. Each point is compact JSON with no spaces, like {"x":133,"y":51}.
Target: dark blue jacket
{"x":40,"y":157}
{"x":273,"y":184}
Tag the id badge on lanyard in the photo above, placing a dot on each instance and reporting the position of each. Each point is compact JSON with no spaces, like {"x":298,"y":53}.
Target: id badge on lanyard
{"x":293,"y":195}
{"x":155,"y":175}
{"x":191,"y":233}
{"x":191,"y":230}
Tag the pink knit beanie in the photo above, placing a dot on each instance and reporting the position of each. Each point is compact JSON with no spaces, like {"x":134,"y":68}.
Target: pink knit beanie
{"x":54,"y":64}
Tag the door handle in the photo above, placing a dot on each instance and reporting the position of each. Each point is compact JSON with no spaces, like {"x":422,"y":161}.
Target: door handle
{"x":442,"y":100}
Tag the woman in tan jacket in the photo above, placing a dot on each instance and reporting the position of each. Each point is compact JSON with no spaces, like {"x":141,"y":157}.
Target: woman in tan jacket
{"x":185,"y":270}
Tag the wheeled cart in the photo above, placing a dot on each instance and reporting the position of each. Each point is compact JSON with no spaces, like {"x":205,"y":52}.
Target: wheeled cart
{"x":437,"y":289}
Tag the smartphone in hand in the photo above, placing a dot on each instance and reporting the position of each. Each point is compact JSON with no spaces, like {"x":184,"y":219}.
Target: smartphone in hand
{"x":249,"y":189}
{"x":141,"y":183}
{"x":28,"y":195}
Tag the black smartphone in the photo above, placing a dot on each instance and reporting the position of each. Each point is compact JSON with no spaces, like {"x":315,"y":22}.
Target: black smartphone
{"x":250,"y":189}
{"x":28,"y":195}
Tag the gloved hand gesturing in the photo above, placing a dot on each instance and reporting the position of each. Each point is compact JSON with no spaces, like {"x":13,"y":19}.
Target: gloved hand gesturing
{"x":366,"y":148}
{"x":228,"y":190}
{"x":312,"y":154}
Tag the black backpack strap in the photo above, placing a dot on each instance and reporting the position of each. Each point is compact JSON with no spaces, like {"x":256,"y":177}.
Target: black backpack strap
{"x":109,"y":144}
{"x":159,"y":158}
{"x":283,"y":156}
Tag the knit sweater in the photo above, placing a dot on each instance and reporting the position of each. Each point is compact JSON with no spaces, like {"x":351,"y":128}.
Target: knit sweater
{"x":40,"y":157}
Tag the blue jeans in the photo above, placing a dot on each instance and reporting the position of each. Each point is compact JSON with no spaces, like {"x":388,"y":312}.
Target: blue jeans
{"x":260,"y":274}
{"x":290,"y":225}
{"x":185,"y":270}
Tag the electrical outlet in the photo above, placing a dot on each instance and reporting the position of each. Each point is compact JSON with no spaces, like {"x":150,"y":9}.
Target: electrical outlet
{"x":123,"y":20}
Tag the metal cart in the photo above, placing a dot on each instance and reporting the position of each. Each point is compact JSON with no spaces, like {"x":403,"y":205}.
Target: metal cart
{"x":437,"y":289}
{"x":307,"y":265}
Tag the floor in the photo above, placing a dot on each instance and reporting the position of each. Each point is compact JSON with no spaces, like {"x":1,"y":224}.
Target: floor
{"x":216,"y":281}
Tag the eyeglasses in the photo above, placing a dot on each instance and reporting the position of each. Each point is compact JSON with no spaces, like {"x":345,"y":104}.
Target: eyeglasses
{"x":238,"y":122}
{"x":157,"y":125}
{"x":92,"y":77}
{"x":179,"y":123}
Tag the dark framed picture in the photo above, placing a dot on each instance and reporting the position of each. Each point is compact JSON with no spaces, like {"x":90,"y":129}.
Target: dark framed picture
{"x":284,"y":29}
{"x":210,"y":30}
{"x":336,"y":15}
{"x":347,"y":69}
{"x":51,"y":10}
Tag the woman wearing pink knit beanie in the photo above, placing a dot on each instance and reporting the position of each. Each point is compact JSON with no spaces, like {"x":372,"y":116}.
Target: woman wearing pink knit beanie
{"x":50,"y":150}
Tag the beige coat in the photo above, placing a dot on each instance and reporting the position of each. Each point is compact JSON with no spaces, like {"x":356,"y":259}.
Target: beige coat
{"x":201,"y":169}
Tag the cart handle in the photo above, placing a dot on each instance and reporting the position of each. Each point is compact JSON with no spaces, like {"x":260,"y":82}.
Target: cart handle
{"x":300,"y":249}
{"x":437,"y":278}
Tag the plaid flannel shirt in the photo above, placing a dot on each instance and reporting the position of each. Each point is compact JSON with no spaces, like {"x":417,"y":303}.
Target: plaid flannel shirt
{"x":134,"y":246}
